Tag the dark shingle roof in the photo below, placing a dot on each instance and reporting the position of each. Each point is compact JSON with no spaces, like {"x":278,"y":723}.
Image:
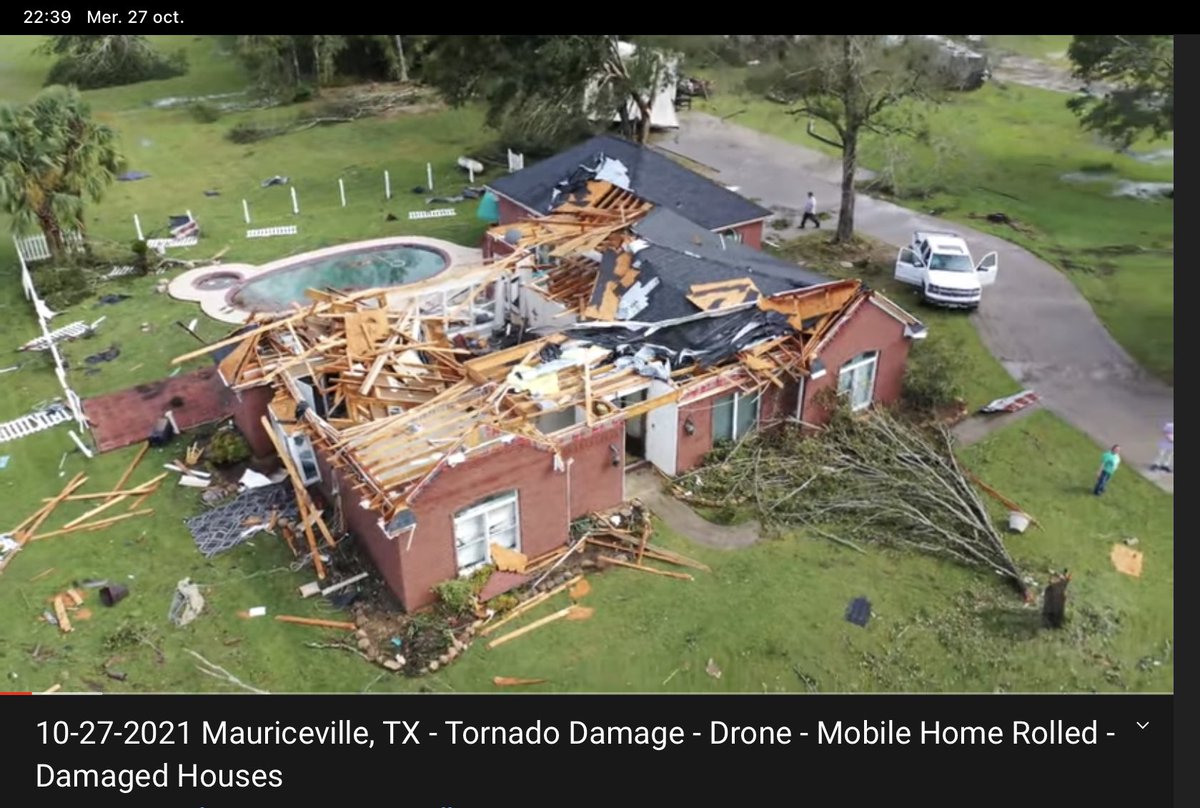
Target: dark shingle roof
{"x":651,"y":176}
{"x":681,"y":254}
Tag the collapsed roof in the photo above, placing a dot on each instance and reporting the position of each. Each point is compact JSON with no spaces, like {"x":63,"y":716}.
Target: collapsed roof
{"x":645,"y":172}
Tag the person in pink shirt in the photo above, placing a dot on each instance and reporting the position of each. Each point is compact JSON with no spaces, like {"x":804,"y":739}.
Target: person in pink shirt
{"x":1166,"y":450}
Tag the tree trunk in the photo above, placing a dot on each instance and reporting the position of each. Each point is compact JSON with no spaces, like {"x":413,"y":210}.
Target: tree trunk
{"x":295,"y":65}
{"x":403,"y":63}
{"x":643,"y":129}
{"x":52,"y":230}
{"x":316,"y":46}
{"x":845,"y":225}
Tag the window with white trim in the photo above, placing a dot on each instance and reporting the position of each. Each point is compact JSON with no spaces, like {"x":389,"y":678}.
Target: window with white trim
{"x":856,"y":380}
{"x":734,"y":415}
{"x":491,"y":521}
{"x":733,"y":235}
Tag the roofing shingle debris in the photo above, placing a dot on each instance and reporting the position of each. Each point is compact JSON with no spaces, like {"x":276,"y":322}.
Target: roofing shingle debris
{"x":396,"y":384}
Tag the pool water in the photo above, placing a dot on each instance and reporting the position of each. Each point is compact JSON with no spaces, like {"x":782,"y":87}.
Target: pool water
{"x":346,"y":272}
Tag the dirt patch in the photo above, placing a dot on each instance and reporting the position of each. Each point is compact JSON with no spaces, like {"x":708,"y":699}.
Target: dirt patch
{"x":860,"y":257}
{"x":1030,"y":72}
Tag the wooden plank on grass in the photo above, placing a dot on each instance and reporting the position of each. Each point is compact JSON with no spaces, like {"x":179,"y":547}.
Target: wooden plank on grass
{"x":683,"y":576}
{"x":312,"y":621}
{"x":133,"y":465}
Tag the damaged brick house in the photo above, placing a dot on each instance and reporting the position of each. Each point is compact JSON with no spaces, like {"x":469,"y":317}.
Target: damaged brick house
{"x":495,"y":404}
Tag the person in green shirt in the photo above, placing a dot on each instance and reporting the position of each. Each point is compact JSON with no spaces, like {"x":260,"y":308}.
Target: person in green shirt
{"x":1110,"y":461}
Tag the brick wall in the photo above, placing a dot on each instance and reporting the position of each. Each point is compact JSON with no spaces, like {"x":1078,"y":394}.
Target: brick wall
{"x":596,"y":484}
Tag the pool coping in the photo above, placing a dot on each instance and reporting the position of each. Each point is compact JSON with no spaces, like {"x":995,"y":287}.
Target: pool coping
{"x":216,"y":303}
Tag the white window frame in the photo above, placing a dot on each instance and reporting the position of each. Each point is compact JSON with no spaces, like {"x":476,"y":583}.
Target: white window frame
{"x":488,"y":510}
{"x":863,"y":363}
{"x":738,"y":398}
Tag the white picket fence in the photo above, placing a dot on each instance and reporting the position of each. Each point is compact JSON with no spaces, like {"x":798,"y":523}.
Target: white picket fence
{"x":267,"y":232}
{"x":439,"y":213}
{"x":159,"y":245}
{"x":31,"y":249}
{"x":35,"y":422}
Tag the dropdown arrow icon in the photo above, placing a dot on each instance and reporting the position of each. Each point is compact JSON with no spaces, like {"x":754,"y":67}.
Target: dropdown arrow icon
{"x":1143,"y":724}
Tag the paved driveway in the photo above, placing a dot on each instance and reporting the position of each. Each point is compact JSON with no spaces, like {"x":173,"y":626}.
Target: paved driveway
{"x":1033,"y":320}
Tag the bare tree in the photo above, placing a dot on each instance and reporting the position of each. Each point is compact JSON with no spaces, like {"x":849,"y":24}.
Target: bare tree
{"x":853,"y":85}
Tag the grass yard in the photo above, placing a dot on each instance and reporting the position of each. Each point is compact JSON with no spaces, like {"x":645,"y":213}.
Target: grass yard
{"x":1006,"y":148}
{"x":769,"y":616}
{"x":1050,"y":48}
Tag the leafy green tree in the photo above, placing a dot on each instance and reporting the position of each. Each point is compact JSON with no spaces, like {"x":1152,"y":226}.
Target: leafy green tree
{"x":53,"y":156}
{"x":1140,"y":73}
{"x":854,"y":85}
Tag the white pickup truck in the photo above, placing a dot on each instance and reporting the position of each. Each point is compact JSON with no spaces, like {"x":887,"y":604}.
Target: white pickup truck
{"x":940,"y":263}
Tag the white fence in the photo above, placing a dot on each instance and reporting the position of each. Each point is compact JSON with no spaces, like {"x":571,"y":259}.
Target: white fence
{"x":32,"y":249}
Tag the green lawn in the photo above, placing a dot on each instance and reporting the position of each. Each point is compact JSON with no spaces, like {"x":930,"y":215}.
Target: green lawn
{"x":1050,"y":48}
{"x":769,"y":616}
{"x":1006,"y":149}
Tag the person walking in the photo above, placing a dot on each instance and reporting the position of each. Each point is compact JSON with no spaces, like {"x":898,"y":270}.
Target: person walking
{"x":1110,"y":461}
{"x":810,"y":212}
{"x":1166,"y":450}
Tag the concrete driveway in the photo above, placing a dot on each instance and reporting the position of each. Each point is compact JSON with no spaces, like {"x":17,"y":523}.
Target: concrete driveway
{"x":1033,"y":320}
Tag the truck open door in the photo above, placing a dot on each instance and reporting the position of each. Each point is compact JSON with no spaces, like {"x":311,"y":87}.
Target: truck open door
{"x":909,"y":268}
{"x":987,"y":269}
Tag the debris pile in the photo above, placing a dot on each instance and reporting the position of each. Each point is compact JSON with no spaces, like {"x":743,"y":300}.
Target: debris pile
{"x":875,"y":478}
{"x":30,"y":529}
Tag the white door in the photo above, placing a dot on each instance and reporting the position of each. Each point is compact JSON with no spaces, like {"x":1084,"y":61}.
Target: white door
{"x":662,"y":431}
{"x":987,"y":269}
{"x":493,"y":521}
{"x":909,"y":268}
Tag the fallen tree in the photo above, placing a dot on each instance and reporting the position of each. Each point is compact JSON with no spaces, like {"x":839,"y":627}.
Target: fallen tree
{"x":876,"y":479}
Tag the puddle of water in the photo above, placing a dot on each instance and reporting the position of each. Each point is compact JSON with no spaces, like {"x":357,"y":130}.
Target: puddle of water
{"x":179,"y":101}
{"x":1145,"y":190}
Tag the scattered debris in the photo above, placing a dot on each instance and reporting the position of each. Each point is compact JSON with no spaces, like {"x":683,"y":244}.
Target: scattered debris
{"x":108,"y":300}
{"x":256,"y":611}
{"x":107,"y":355}
{"x":511,"y":681}
{"x":60,"y":615}
{"x":132,"y":176}
{"x":216,"y":671}
{"x":571,"y":612}
{"x":580,"y":590}
{"x":859,"y":612}
{"x":53,"y":415}
{"x":312,"y":621}
{"x":223,"y":528}
{"x":113,"y":594}
{"x":1127,"y":560}
{"x":187,"y":603}
{"x":71,"y":331}
{"x":1013,"y":403}
{"x":54,"y":688}
{"x":1017,"y":515}
{"x":712,"y":669}
{"x":507,"y":560}
{"x":4,"y":461}
{"x":44,"y":573}
{"x":276,"y":180}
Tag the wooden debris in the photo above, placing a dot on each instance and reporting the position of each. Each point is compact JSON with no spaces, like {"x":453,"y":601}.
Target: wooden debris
{"x":683,"y":576}
{"x":1003,"y":500}
{"x":60,"y":614}
{"x":41,"y":575}
{"x":1126,"y":560}
{"x":103,"y":523}
{"x":512,"y":681}
{"x":54,"y":688}
{"x":193,"y":454}
{"x":132,"y":465}
{"x":303,"y":502}
{"x":533,"y":602}
{"x":75,"y":596}
{"x":312,"y":621}
{"x":146,"y":488}
{"x":508,"y":560}
{"x":580,"y":590}
{"x":310,"y":589}
{"x":536,"y":624}
{"x":28,"y":528}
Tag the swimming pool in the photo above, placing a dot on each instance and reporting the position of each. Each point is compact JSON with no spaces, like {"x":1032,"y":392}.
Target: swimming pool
{"x":350,"y":271}
{"x":232,"y":292}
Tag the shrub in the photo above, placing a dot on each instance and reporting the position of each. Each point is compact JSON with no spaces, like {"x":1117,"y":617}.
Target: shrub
{"x":226,"y":448}
{"x":457,"y":595}
{"x":480,"y":577}
{"x":248,"y":132}
{"x":504,"y":603}
{"x":63,"y":287}
{"x":89,"y":73}
{"x":141,"y":257}
{"x":203,"y":112}
{"x":935,"y":374}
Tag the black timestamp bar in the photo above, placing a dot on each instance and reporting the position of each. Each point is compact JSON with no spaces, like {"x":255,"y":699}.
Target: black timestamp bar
{"x":141,"y":16}
{"x":145,"y":733}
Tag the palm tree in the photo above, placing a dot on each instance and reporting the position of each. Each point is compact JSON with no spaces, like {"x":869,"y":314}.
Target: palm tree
{"x":52,"y":156}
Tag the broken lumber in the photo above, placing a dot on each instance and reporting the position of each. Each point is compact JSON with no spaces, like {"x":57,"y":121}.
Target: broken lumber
{"x":54,"y":688}
{"x":996,"y":495}
{"x":301,"y":496}
{"x":536,"y":624}
{"x":343,"y":584}
{"x":133,"y":465}
{"x":315,"y":622}
{"x":60,"y":614}
{"x":512,"y":681}
{"x":683,"y":576}
{"x":41,"y":575}
{"x":103,"y":523}
{"x":145,"y":488}
{"x":650,"y":552}
{"x":27,"y":533}
{"x":536,"y":600}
